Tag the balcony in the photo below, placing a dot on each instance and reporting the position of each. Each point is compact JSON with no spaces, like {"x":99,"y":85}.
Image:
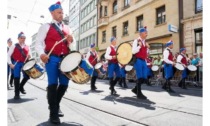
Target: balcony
{"x":103,"y":21}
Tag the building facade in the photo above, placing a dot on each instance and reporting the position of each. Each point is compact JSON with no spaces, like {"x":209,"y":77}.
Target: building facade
{"x":74,"y":21}
{"x":88,"y":25}
{"x":33,"y":52}
{"x":123,"y":18}
{"x":193,"y":26}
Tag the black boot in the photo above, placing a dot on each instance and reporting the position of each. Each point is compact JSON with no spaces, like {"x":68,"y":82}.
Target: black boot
{"x":17,"y":91}
{"x":164,"y":85}
{"x":184,"y":84}
{"x":23,"y":82}
{"x":111,"y":82}
{"x":169,"y":87}
{"x":61,"y":91}
{"x":124,"y":82}
{"x":11,"y":80}
{"x":180,"y":83}
{"x":139,"y":93}
{"x":134,"y":90}
{"x":53,"y":105}
{"x":120,"y":82}
{"x":92,"y":83}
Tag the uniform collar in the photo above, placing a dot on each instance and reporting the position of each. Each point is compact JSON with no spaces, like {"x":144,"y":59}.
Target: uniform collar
{"x":56,"y":22}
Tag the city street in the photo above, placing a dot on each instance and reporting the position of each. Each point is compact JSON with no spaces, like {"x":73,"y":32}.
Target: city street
{"x":82,"y":107}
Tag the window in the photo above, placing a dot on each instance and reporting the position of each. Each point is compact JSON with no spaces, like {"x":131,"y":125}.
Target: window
{"x":101,"y":9}
{"x":125,"y":28}
{"x":86,"y":43}
{"x":198,"y":40}
{"x":115,"y":7}
{"x":90,"y":40}
{"x":94,"y":20}
{"x":87,"y":24}
{"x":105,"y":11}
{"x":103,"y":36}
{"x":161,"y":15}
{"x":198,"y":6}
{"x":94,"y":37}
{"x":114,"y":31}
{"x":91,"y":22}
{"x":126,"y":3}
{"x":91,"y":7}
{"x":139,"y":22}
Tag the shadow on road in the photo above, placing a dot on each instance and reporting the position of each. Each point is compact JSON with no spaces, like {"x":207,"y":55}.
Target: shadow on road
{"x":14,"y":101}
{"x":90,"y":91}
{"x":147,"y":104}
{"x":47,"y":123}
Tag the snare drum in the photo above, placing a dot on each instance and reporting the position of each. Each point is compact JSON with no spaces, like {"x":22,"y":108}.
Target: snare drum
{"x":32,"y":69}
{"x":75,"y":68}
{"x":124,"y":53}
{"x":191,"y":71}
{"x":155,"y":70}
{"x":178,"y":70}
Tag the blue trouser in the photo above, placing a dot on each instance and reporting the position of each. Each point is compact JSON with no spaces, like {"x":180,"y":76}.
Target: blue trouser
{"x":168,"y":69}
{"x":122,"y":72}
{"x":17,"y":69}
{"x":141,"y":68}
{"x":86,"y":67}
{"x":95,"y":73}
{"x":184,"y":73}
{"x":53,"y":72}
{"x":113,"y":68}
{"x":149,"y":72}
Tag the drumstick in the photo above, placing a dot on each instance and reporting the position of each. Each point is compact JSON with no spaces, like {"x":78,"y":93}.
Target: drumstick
{"x":56,"y":43}
{"x":15,"y":62}
{"x":26,"y":58}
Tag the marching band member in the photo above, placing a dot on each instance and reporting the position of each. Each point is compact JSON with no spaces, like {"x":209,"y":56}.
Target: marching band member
{"x":16,"y":56}
{"x":123,"y":76}
{"x":183,"y":60}
{"x":149,"y":69}
{"x":91,"y":59}
{"x":113,"y":66}
{"x":168,"y":66}
{"x":48,"y":35}
{"x":9,"y":70}
{"x":139,"y":49}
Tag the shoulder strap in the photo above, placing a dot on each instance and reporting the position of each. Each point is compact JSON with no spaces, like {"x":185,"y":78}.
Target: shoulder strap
{"x":59,"y":31}
{"x":20,"y":49}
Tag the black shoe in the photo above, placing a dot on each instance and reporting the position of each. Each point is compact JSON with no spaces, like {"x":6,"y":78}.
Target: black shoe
{"x":60,"y":113}
{"x":16,"y":97}
{"x":55,"y":120}
{"x":134,"y":90}
{"x":113,"y":92}
{"x":141,"y":97}
{"x":22,"y":91}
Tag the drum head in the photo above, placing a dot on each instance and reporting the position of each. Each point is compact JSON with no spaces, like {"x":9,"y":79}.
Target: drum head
{"x":28,"y":65}
{"x":128,"y":68}
{"x":124,"y":53}
{"x":98,"y":65}
{"x":192,"y":68}
{"x":70,"y":62}
{"x":179,"y":66}
{"x":155,"y":68}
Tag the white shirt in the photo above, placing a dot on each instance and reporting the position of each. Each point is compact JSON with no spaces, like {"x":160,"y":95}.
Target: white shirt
{"x":11,"y":50}
{"x":136,"y":47}
{"x":41,"y":35}
{"x":179,"y":58}
{"x":165,"y":56}
{"x":108,"y":51}
{"x":88,"y":56}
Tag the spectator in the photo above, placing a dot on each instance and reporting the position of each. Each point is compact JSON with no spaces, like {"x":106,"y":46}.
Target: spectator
{"x":158,"y":61}
{"x":201,"y":67}
{"x":195,"y":61}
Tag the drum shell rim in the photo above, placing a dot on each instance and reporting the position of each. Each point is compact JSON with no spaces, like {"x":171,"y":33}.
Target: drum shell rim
{"x":98,"y":63}
{"x":117,"y":54}
{"x":31,"y":67}
{"x":75,"y":67}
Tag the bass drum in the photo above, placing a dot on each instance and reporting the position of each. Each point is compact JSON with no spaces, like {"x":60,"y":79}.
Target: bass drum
{"x":124,"y":53}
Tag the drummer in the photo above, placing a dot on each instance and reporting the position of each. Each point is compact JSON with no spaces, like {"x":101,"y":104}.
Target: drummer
{"x":92,"y":59}
{"x":168,"y":66}
{"x":113,"y":66}
{"x":9,"y":70}
{"x":139,"y":49}
{"x":47,"y":36}
{"x":19,"y":54}
{"x":149,"y":69}
{"x":182,"y":58}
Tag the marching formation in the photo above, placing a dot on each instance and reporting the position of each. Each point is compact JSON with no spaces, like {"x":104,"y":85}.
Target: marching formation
{"x":62,"y":64}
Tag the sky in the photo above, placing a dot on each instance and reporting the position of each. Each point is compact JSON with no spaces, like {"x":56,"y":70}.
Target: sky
{"x":26,"y":16}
